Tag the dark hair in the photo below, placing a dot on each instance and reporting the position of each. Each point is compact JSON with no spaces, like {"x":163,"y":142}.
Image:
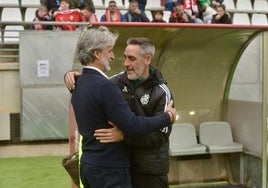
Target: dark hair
{"x":133,"y":1}
{"x":89,"y":8}
{"x":68,"y":1}
{"x":159,"y":11}
{"x":222,"y":6}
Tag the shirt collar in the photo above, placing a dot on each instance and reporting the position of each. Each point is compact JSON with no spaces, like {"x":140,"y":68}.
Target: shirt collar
{"x":91,"y":67}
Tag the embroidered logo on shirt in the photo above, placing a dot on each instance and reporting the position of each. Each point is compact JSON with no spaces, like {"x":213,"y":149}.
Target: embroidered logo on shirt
{"x":145,"y":99}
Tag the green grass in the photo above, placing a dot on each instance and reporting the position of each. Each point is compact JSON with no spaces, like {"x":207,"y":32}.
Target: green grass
{"x":33,"y":172}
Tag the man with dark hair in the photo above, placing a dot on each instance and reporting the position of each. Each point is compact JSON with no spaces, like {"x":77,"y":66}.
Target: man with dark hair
{"x":112,"y":14}
{"x":134,"y":14}
{"x":221,"y":17}
{"x":180,"y":15}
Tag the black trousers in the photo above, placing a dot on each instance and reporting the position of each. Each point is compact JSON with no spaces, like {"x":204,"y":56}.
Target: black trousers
{"x":145,"y":181}
{"x":98,"y":177}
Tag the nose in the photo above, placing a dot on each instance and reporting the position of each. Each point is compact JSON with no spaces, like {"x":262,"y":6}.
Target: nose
{"x":112,"y":56}
{"x":126,"y":63}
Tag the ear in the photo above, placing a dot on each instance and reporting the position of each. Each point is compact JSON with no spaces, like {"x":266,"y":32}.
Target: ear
{"x":96,"y":54}
{"x":148,"y":59}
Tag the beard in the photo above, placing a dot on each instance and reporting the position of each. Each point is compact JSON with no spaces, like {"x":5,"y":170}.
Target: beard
{"x":133,"y":74}
{"x":106,"y":64}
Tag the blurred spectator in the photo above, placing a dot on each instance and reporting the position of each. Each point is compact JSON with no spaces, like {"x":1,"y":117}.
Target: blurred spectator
{"x":216,"y":3}
{"x":142,"y":4}
{"x":89,"y":15}
{"x":81,"y":4}
{"x":221,"y":17}
{"x":158,"y":16}
{"x":65,"y":14}
{"x":180,"y":16}
{"x":208,"y":13}
{"x":42,"y":15}
{"x":209,"y":9}
{"x":134,"y":14}
{"x":112,"y":14}
{"x":51,"y":5}
{"x":170,"y":4}
{"x":192,"y":8}
{"x":204,"y":4}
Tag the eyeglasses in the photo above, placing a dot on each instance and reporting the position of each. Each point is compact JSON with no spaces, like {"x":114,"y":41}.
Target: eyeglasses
{"x":112,"y":5}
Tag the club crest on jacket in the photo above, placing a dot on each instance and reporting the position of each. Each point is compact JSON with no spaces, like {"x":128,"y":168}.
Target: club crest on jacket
{"x":145,"y":99}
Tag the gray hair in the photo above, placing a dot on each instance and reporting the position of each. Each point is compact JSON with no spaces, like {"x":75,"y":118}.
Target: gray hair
{"x":94,"y":39}
{"x":146,"y":45}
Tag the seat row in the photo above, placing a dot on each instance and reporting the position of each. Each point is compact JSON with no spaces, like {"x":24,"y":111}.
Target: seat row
{"x":253,"y":19}
{"x":124,"y":4}
{"x":18,"y":3}
{"x":214,"y":137}
{"x":99,"y":4}
{"x":258,"y":6}
{"x":14,"y":14}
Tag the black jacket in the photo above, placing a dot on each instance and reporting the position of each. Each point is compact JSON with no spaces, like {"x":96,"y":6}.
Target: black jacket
{"x":149,"y":154}
{"x":225,"y":19}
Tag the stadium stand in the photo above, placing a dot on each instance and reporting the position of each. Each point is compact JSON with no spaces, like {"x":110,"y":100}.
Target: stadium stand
{"x":243,"y":12}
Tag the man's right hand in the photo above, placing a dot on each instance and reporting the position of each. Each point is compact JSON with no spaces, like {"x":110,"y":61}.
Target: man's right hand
{"x":109,"y":135}
{"x":69,"y":79}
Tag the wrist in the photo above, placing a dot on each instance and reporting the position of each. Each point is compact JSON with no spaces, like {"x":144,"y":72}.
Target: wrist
{"x":172,"y":117}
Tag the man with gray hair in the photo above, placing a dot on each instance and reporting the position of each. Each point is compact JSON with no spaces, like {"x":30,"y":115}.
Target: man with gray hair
{"x":97,"y":100}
